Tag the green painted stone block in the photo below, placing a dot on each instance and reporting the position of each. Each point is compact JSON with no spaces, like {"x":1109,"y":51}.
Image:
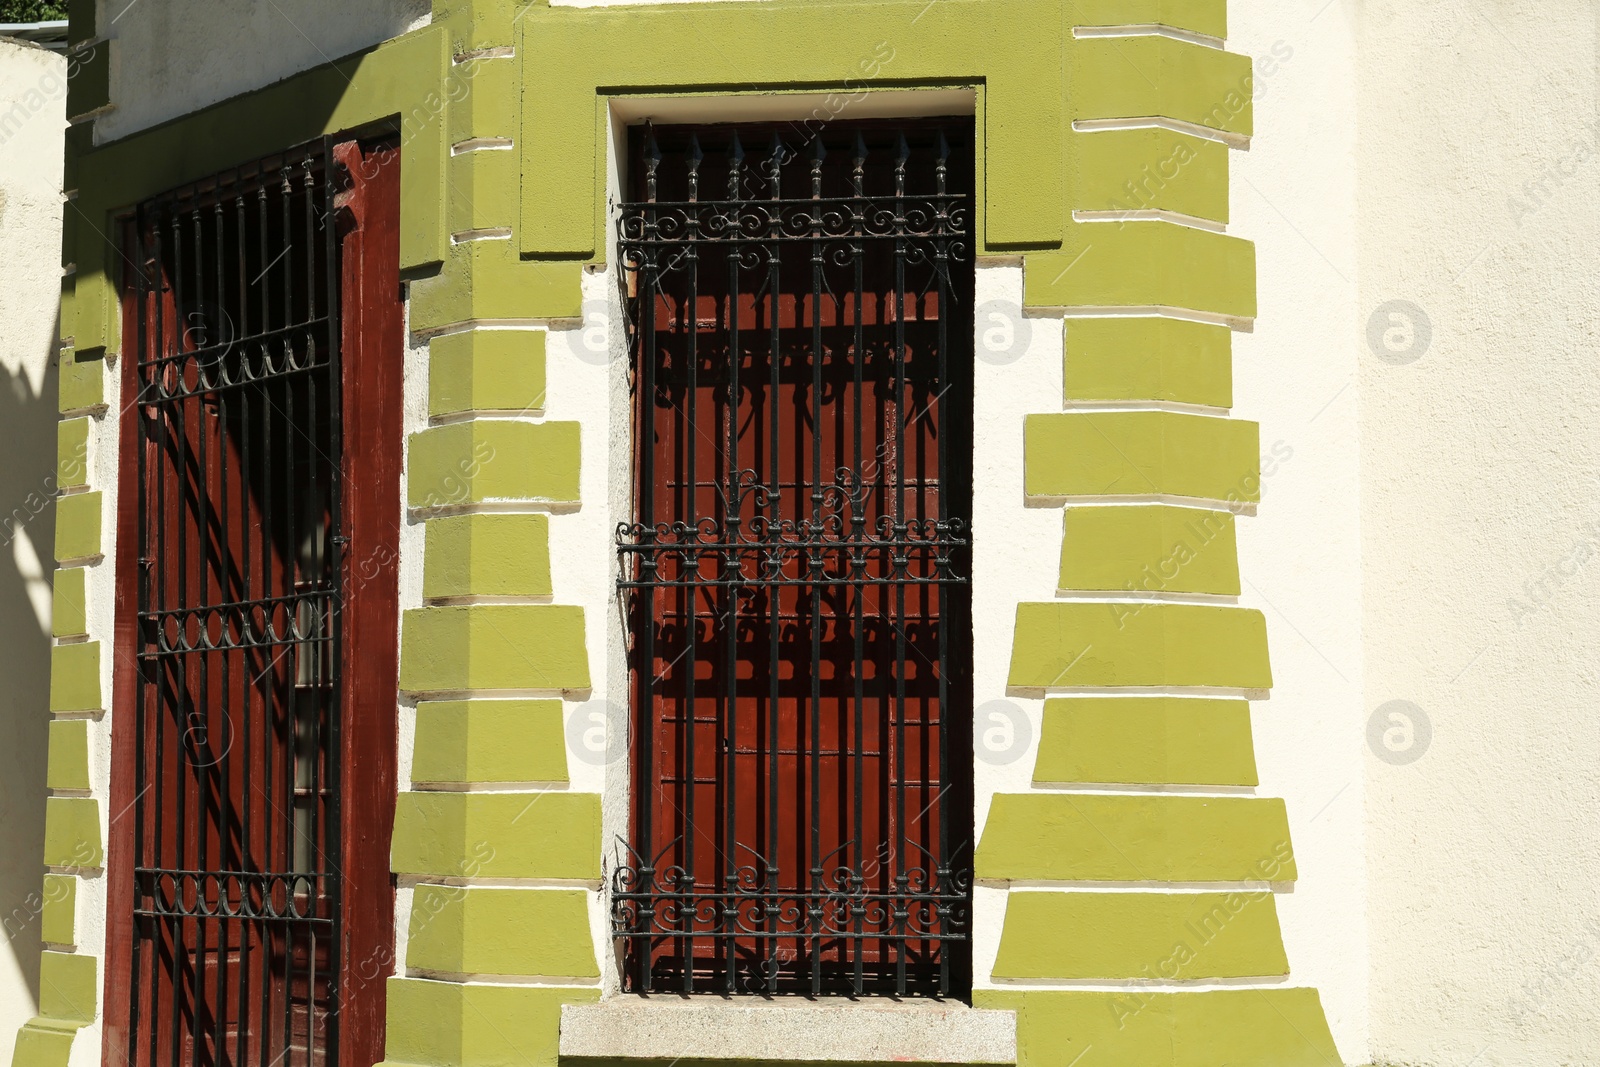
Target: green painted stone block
{"x":444,"y":1023}
{"x":59,"y":925}
{"x":1145,"y":264}
{"x":43,"y":1042}
{"x":530,"y":932}
{"x":72,"y":453}
{"x":1136,"y":77}
{"x":1150,"y":549}
{"x":497,"y":460}
{"x":1282,"y":1027}
{"x":490,"y":741}
{"x":75,"y":677}
{"x":485,"y":280}
{"x":482,"y":191}
{"x":487,"y":555}
{"x":69,"y":610}
{"x":487,"y":370}
{"x":1146,"y":741}
{"x":1068,"y":644}
{"x":1141,"y":454}
{"x":1201,"y":16}
{"x":68,"y":764}
{"x":69,"y":986}
{"x":488,"y":98}
{"x":1107,"y":837}
{"x":498,"y":835}
{"x":1155,"y":936}
{"x":72,"y":833}
{"x":78,"y":527}
{"x":1149,"y":358}
{"x":515,"y":647}
{"x":1152,"y":170}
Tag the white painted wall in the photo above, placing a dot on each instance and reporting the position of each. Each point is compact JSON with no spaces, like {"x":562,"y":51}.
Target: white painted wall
{"x":173,"y":58}
{"x":1478,"y":176}
{"x":32,"y":120}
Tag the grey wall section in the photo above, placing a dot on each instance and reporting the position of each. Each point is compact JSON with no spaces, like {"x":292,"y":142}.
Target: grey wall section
{"x":171,"y":57}
{"x":32,"y":120}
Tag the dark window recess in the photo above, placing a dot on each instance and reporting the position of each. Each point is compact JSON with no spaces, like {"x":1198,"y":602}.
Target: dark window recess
{"x":237,"y":857}
{"x":800,"y":317}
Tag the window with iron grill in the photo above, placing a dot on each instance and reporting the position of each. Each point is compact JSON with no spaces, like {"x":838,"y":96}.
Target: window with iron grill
{"x":797,"y":575}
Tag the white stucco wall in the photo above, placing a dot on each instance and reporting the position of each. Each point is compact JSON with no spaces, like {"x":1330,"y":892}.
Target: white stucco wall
{"x":32,"y":119}
{"x":1478,"y":178}
{"x":169,"y":59}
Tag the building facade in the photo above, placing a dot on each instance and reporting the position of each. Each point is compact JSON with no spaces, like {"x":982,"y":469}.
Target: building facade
{"x":719,"y":531}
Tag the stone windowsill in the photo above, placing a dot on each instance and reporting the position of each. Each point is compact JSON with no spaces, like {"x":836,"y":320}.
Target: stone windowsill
{"x":712,"y":1028}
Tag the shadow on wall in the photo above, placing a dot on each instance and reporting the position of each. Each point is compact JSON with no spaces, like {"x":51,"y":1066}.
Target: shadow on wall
{"x":27,"y":543}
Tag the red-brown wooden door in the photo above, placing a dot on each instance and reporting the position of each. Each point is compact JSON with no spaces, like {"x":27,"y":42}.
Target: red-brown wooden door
{"x":250,"y":903}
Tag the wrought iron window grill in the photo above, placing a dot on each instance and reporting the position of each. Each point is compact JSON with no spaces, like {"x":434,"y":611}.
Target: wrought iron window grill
{"x":797,"y":578}
{"x":234,"y":288}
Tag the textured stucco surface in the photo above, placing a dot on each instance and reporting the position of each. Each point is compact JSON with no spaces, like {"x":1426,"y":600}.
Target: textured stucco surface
{"x":1478,"y":178}
{"x":32,"y":118}
{"x":169,"y":59}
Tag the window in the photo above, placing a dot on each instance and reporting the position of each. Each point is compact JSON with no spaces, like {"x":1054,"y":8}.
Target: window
{"x":800,"y":317}
{"x":250,"y":921}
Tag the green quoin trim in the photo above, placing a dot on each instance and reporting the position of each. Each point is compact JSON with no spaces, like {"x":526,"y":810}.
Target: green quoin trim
{"x":1141,"y":453}
{"x":1150,"y":548}
{"x":1142,"y":264}
{"x":498,"y":835}
{"x":75,"y":677}
{"x":82,"y":384}
{"x":44,"y":1042}
{"x":78,"y":527}
{"x":1066,"y":644}
{"x":485,"y":280}
{"x":68,"y":984}
{"x":72,"y":453}
{"x":1149,"y":359}
{"x":541,"y":932}
{"x":1134,"y":77}
{"x":88,"y":79}
{"x":570,"y":55}
{"x":1146,"y":741}
{"x":1152,"y":169}
{"x":1100,"y":837}
{"x":489,"y":105}
{"x":69,"y":611}
{"x":1201,"y":16}
{"x":58,"y":925}
{"x":444,"y":1024}
{"x":487,"y":555}
{"x":1282,"y":1027}
{"x":1159,"y":936}
{"x":68,"y":764}
{"x":483,"y":189}
{"x":537,"y":646}
{"x":402,"y":81}
{"x":487,"y":370}
{"x":72,"y":833}
{"x":489,"y":741}
{"x":494,"y":460}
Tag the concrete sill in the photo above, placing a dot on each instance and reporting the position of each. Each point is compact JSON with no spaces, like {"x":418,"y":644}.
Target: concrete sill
{"x":713,"y":1029}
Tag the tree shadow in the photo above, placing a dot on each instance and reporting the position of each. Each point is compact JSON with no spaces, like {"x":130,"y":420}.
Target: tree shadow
{"x":27,"y":548}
